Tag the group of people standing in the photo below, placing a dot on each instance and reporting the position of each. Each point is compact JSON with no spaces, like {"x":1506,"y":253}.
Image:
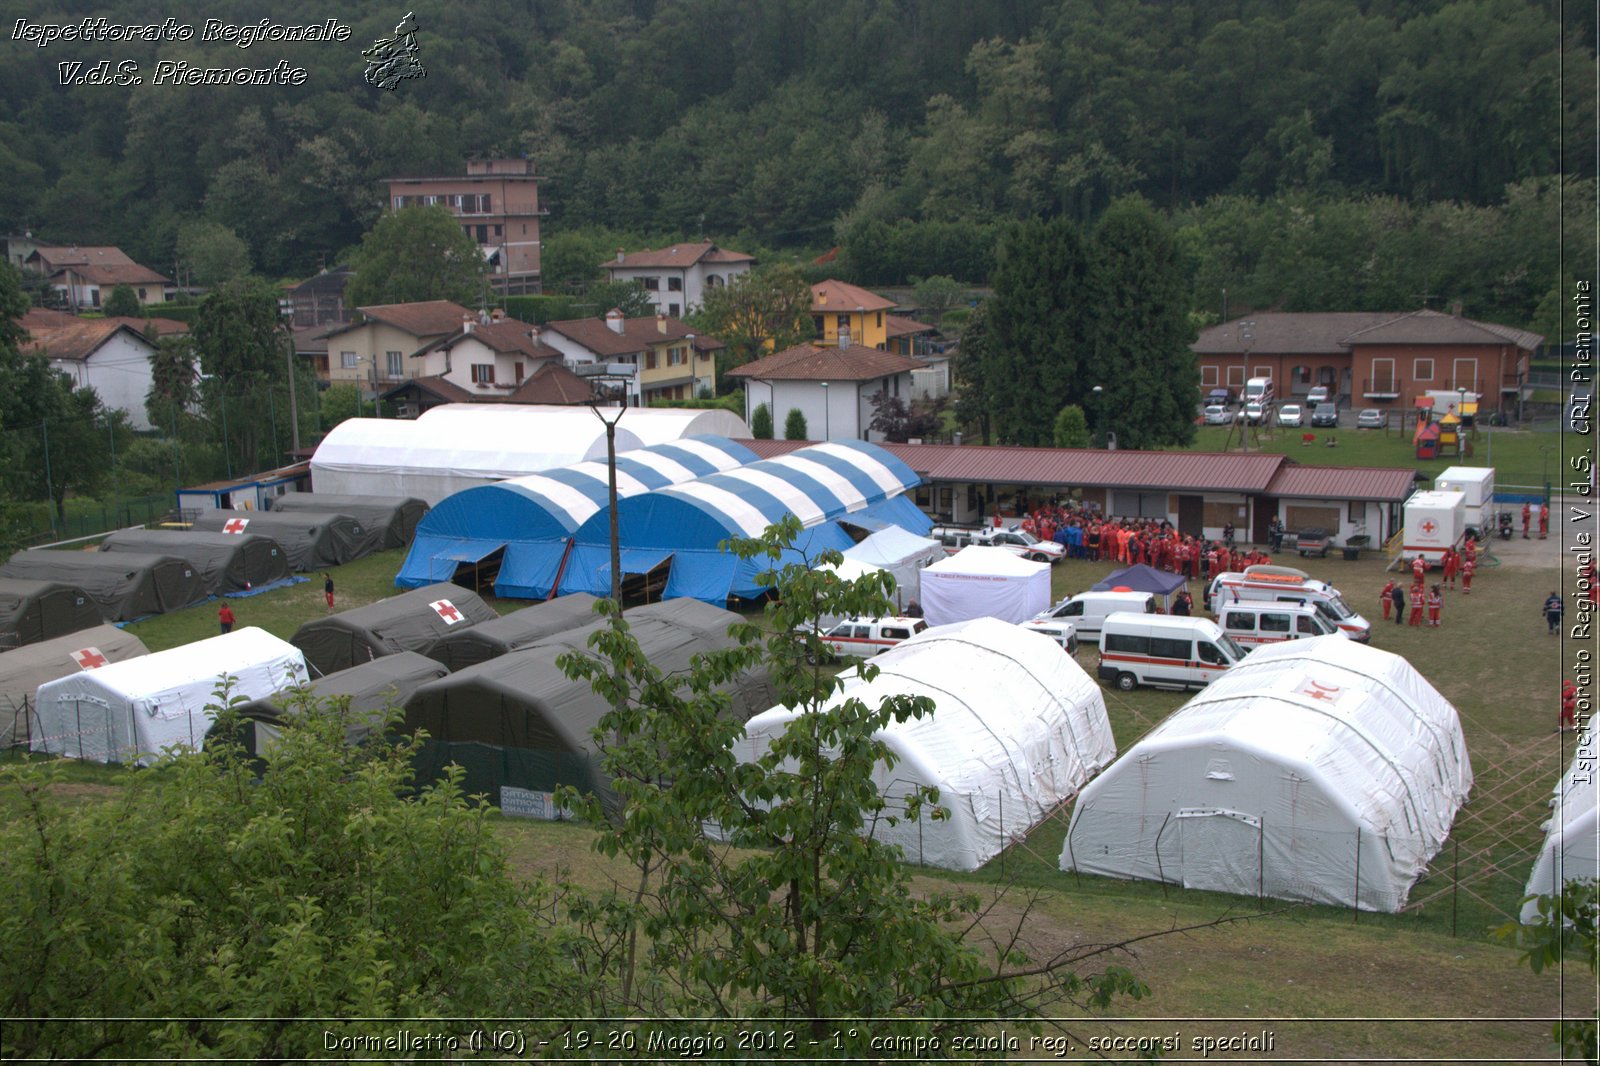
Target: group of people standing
{"x":1086,"y":534}
{"x":1423,"y":597}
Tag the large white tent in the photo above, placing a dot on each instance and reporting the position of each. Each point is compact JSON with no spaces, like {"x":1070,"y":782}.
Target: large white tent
{"x":981,"y":581}
{"x":131,"y":710}
{"x":904,"y":554}
{"x":430,"y":459}
{"x":1320,"y":770}
{"x":652,"y":425}
{"x":1571,"y":849}
{"x":1017,"y":728}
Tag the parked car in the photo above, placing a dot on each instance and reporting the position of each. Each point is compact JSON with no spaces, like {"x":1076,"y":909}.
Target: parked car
{"x":1372,"y":418}
{"x":1063,"y":631}
{"x":1325,"y":414}
{"x":1221,"y":396}
{"x":1290,"y":414}
{"x":1017,"y":541}
{"x":1217,"y":415}
{"x":866,"y":637}
{"x":1320,"y":394}
{"x":1253,"y":413}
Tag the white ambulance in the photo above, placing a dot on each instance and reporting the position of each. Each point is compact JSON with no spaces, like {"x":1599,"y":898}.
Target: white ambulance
{"x":1281,"y":584}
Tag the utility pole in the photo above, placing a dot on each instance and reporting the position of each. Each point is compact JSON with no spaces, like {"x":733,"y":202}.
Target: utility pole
{"x":294,"y":410}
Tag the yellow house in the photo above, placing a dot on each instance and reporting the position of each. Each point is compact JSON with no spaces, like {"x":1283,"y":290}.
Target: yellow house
{"x":374,"y":352}
{"x":674,"y":369}
{"x":862,"y":316}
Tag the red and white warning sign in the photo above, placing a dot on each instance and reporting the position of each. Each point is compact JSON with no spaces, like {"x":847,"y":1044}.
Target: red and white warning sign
{"x":235,"y":525}
{"x":446,"y":610}
{"x":89,"y":658}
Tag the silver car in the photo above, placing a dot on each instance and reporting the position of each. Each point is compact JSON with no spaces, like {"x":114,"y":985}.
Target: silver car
{"x":1217,"y":415}
{"x":1290,"y":414}
{"x":1372,"y":418}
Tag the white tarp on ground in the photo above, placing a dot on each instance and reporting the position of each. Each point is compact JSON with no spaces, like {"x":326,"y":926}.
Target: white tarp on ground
{"x":431,"y":459}
{"x":981,"y":581}
{"x":1571,"y":849}
{"x":130,"y":711}
{"x":1320,"y":770}
{"x":903,"y":554}
{"x":1017,"y":728}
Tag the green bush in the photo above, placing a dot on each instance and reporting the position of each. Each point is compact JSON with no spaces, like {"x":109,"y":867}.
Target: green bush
{"x":761,"y":423}
{"x":794,"y":426}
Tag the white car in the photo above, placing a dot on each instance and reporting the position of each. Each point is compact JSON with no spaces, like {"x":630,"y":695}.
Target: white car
{"x":1290,"y":414}
{"x":862,"y":638}
{"x":1320,"y":394}
{"x":1253,"y":413}
{"x":1217,"y":415}
{"x":1060,"y":630}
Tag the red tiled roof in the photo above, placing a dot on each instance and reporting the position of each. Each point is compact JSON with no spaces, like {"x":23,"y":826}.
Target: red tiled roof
{"x":80,"y":340}
{"x":441,"y":388}
{"x":1342,"y":483}
{"x":152,"y":327}
{"x":553,"y":383}
{"x":679,"y":255}
{"x":1336,"y":332}
{"x":74,"y":255}
{"x":896,"y":326}
{"x":842,"y":297}
{"x":1432,"y":327}
{"x":509,"y":336}
{"x":809,"y":362}
{"x":637,"y":334}
{"x":108,"y":274}
{"x":430,"y":318}
{"x":37,"y":319}
{"x":1174,"y":471}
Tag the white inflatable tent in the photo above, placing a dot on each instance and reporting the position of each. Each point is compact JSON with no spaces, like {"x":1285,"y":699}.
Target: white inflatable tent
{"x":1320,"y":770}
{"x":1571,"y":849}
{"x":904,"y":554}
{"x":131,"y":710}
{"x":432,"y":458}
{"x":982,"y":581}
{"x":1017,"y":728}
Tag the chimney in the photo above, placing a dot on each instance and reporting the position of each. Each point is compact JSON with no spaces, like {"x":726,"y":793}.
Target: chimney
{"x":497,"y":315}
{"x":661,"y":322}
{"x":844,"y":337}
{"x":614,"y":321}
{"x":467,"y":322}
{"x":1455,"y":309}
{"x":619,"y":255}
{"x":533,"y":335}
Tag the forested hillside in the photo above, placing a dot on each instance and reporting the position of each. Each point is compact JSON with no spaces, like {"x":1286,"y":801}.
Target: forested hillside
{"x":802,"y":124}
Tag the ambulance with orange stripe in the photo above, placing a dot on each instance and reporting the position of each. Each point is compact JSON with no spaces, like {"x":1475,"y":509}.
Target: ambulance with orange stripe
{"x":1283,"y":584}
{"x":1163,"y":651}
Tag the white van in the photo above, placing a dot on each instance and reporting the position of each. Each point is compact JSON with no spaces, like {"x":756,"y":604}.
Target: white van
{"x":1165,"y":651}
{"x":1280,"y":584}
{"x":1254,"y":623}
{"x":865,"y":637}
{"x":1258,"y":390}
{"x":1087,"y":610}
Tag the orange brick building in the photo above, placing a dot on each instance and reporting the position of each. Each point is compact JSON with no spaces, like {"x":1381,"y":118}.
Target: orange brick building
{"x":497,"y":202}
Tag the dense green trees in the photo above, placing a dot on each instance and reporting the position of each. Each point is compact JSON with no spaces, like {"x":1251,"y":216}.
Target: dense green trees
{"x":417,"y":253}
{"x":243,"y":352}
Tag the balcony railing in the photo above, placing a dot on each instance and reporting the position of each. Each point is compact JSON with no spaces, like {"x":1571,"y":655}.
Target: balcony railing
{"x":1386,"y":387}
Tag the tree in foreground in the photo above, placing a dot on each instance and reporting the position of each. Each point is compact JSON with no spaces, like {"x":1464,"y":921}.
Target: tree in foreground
{"x":329,"y":888}
{"x":792,"y":909}
{"x":416,"y":254}
{"x":1564,"y":931}
{"x":764,"y":309}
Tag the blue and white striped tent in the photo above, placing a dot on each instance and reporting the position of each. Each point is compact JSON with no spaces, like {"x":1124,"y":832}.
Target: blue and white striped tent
{"x":533,"y":517}
{"x":852,"y":481}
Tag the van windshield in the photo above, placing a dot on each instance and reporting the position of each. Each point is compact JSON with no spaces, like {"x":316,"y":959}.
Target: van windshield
{"x":1341,"y":608}
{"x":1327,"y":613}
{"x":1231,"y":646}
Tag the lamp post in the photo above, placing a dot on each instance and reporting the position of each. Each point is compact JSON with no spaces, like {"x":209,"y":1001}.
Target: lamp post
{"x":827,"y":415}
{"x":1100,"y":413}
{"x":620,"y":374}
{"x":1461,"y":418}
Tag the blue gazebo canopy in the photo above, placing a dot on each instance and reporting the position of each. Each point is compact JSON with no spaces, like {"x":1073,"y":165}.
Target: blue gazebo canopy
{"x":1142,"y":578}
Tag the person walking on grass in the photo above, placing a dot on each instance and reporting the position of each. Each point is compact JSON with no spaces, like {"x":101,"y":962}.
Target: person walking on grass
{"x":1553,"y":608}
{"x":327,"y":589}
{"x":225,"y":617}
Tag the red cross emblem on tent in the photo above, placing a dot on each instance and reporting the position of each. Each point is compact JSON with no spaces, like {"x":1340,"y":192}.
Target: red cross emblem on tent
{"x":446,"y":610}
{"x":1318,"y":691}
{"x":1429,"y":525}
{"x":89,"y":658}
{"x":235,"y":525}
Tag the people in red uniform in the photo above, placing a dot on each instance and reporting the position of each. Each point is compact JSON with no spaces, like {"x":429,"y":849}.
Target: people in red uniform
{"x":1468,"y":567}
{"x":1526,"y":514}
{"x":1452,"y":564}
{"x":1416,"y":605}
{"x":1419,"y":567}
{"x":1569,"y":706}
{"x":1388,"y":590}
{"x":1435,"y":605}
{"x":1544,"y":521}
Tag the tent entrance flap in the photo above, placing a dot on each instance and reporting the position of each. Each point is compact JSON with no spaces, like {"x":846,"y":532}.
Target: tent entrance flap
{"x":644,"y":574}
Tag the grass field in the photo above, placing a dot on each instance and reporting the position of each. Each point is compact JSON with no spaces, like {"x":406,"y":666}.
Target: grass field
{"x":1518,"y":454}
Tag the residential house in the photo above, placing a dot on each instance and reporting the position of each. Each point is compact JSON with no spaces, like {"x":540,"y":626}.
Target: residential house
{"x":677,"y":277}
{"x":1373,"y":359}
{"x":110,"y":355}
{"x":666,"y":360}
{"x":551,"y":384}
{"x":85,"y":276}
{"x":497,"y":202}
{"x":831,"y":385}
{"x":374,"y":351}
{"x":488,"y":359}
{"x":846,"y":315}
{"x":319,"y":301}
{"x":311,"y":345}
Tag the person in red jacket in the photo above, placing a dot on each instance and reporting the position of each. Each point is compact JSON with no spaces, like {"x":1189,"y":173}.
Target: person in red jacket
{"x":1569,"y":706}
{"x":1416,"y":605}
{"x":1435,"y":605}
{"x":1451,"y":564}
{"x":1544,"y":521}
{"x":1526,"y":514}
{"x":1419,"y":569}
{"x":225,"y":617}
{"x":1388,"y":590}
{"x":1468,"y":567}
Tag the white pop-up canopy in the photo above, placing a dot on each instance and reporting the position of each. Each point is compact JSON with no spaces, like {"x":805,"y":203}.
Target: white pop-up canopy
{"x":901,"y":552}
{"x":129,"y":711}
{"x":1017,"y":728}
{"x":980,"y":581}
{"x":1320,"y":770}
{"x":1571,"y":849}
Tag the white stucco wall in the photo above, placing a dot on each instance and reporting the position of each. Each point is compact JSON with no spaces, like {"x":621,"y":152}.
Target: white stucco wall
{"x":119,"y":371}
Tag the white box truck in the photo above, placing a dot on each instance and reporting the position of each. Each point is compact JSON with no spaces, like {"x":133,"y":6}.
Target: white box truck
{"x":1476,"y":483}
{"x":1434,"y":522}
